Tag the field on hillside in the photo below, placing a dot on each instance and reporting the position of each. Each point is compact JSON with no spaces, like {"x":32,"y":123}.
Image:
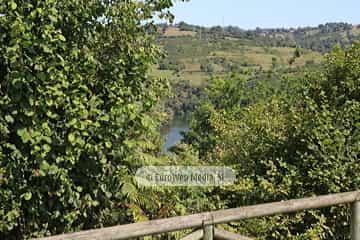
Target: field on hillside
{"x":195,"y":59}
{"x":176,"y":32}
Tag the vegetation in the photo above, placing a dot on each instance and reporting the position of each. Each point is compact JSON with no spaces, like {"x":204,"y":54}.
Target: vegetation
{"x":300,"y":138}
{"x":192,"y":60}
{"x":190,"y":56}
{"x":81,"y":94}
{"x":77,"y":115}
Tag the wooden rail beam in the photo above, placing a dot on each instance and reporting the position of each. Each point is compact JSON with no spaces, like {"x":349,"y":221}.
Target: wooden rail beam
{"x":268,"y":209}
{"x":221,"y":216}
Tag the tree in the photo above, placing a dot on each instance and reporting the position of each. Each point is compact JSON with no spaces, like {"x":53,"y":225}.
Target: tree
{"x":274,"y":62}
{"x":297,"y":54}
{"x":75,"y":105}
{"x":206,"y":67}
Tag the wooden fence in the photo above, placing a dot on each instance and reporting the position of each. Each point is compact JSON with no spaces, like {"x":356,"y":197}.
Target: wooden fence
{"x":206,"y":221}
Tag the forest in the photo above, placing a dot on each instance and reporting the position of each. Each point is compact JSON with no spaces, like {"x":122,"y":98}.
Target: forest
{"x":86,"y":86}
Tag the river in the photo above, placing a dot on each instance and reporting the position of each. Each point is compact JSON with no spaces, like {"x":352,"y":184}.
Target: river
{"x":172,"y":133}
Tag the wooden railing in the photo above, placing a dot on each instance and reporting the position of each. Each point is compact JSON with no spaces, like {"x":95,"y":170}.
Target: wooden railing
{"x":207,"y":220}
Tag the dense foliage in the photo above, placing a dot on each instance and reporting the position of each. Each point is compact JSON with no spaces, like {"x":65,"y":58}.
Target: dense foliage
{"x":79,"y":113}
{"x":296,"y":138}
{"x":184,"y":99}
{"x":76,"y":114}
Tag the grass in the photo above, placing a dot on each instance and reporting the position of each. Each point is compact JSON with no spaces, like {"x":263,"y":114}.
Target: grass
{"x":176,"y":32}
{"x":356,"y":30}
{"x":196,"y":79}
{"x":222,"y":52}
{"x":161,"y":73}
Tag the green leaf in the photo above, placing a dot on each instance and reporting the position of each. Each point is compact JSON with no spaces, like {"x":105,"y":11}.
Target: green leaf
{"x":9,"y":118}
{"x":46,"y":148}
{"x":46,"y":49}
{"x":108,"y":144}
{"x":51,"y":115}
{"x":52,"y":18}
{"x":29,"y":113}
{"x":27,"y":196}
{"x":103,"y":160}
{"x":13,"y":5}
{"x":44,"y":166}
{"x":71,"y":138}
{"x":73,"y":122}
{"x":130,"y":143}
{"x":62,"y":38}
{"x":38,"y":67}
{"x":24,"y":135}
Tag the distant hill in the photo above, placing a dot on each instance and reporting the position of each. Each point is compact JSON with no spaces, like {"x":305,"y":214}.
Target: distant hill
{"x":194,"y":57}
{"x":321,"y":38}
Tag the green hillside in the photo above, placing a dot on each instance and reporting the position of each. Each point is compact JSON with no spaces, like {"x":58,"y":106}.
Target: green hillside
{"x":195,"y":59}
{"x":195,"y":54}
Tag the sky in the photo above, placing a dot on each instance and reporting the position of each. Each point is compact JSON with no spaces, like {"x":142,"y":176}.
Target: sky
{"x":249,"y":14}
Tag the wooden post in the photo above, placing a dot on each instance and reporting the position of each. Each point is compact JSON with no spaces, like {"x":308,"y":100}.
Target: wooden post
{"x":208,"y":232}
{"x":208,"y":229}
{"x":355,"y":221}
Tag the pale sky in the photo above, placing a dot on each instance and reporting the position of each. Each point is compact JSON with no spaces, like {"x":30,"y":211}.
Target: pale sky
{"x":267,"y":13}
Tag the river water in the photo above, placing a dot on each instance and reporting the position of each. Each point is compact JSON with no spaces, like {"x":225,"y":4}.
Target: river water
{"x":172,"y":133}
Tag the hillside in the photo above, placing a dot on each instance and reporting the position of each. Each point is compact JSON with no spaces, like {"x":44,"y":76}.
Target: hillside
{"x":195,"y":59}
{"x":194,"y":54}
{"x":320,"y":38}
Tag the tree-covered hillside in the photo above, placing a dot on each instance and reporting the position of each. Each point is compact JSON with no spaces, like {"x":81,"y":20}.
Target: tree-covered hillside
{"x":321,"y":38}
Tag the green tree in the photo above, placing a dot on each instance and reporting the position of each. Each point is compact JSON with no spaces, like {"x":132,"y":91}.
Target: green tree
{"x":76,"y":113}
{"x":274,"y":63}
{"x":297,"y":54}
{"x":207,"y":67}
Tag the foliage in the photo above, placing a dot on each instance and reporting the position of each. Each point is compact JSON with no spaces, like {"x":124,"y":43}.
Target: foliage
{"x":297,"y":54}
{"x":76,"y":113}
{"x":184,"y":98}
{"x":300,"y":138}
